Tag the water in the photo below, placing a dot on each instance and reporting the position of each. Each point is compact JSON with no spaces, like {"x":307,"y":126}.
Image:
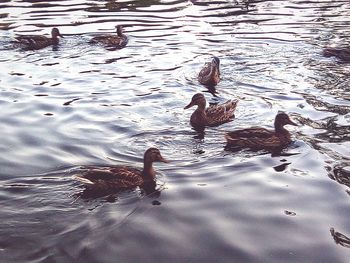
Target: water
{"x":82,"y":105}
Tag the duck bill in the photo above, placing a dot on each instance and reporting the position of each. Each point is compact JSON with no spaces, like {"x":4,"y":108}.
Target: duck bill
{"x":60,"y":35}
{"x":292,"y":123}
{"x":188,"y":106}
{"x":163,"y":160}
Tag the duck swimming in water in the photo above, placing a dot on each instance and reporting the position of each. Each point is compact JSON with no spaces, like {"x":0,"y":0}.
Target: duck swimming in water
{"x":34,"y":42}
{"x":213,"y":115}
{"x":210,"y":73}
{"x":258,"y":138}
{"x":112,"y":41}
{"x":120,"y":177}
{"x":340,"y":53}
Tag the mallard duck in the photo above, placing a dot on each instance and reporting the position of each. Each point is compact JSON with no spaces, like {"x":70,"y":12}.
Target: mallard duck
{"x":34,"y":42}
{"x":120,"y":177}
{"x":210,"y":73}
{"x":213,"y":115}
{"x":261,"y":138}
{"x":340,"y":53}
{"x":115,"y":41}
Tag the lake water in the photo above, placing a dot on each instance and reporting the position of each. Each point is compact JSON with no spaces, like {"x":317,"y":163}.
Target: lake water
{"x":81,"y":104}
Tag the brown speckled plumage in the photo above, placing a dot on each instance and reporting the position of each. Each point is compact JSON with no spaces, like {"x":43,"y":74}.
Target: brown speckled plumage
{"x":210,"y":73}
{"x":213,"y":115}
{"x":261,"y":138}
{"x":115,"y":41}
{"x":34,"y":42}
{"x":120,"y":177}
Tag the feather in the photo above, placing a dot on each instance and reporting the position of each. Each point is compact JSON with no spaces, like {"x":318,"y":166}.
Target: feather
{"x":117,"y":41}
{"x":34,"y":42}
{"x":210,"y":73}
{"x":213,"y":115}
{"x":119,"y":177}
{"x":261,"y":138}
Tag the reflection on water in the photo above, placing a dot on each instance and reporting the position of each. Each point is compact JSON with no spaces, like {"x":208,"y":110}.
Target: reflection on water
{"x":340,"y":239}
{"x":150,"y":189}
{"x":80,"y":104}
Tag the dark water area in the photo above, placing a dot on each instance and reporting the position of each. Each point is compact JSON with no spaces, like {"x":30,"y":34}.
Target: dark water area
{"x":80,"y":104}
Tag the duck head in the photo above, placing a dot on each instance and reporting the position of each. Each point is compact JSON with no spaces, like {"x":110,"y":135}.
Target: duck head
{"x":55,"y":33}
{"x":153,"y":155}
{"x":283,"y":119}
{"x":197,"y":99}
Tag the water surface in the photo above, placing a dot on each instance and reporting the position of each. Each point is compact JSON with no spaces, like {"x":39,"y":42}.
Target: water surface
{"x":80,"y":104}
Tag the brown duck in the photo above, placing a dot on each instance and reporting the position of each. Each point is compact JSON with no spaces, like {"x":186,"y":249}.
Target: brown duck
{"x":210,"y":73}
{"x":261,"y":138}
{"x":121,"y":177}
{"x":115,"y":41}
{"x":340,"y":53}
{"x":213,"y":115}
{"x":34,"y":42}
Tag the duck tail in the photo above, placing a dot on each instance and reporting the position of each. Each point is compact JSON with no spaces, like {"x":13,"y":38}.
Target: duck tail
{"x":82,"y":179}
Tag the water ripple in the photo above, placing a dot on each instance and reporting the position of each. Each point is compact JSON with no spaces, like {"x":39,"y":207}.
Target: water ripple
{"x":80,"y":104}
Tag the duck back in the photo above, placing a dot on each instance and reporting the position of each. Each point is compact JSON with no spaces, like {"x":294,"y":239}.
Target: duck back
{"x":117,"y":177}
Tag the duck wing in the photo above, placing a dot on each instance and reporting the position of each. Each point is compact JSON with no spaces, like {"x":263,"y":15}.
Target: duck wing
{"x":209,"y":75}
{"x":205,"y":71}
{"x":103,"y":39}
{"x":110,"y":177}
{"x":254,"y":132}
{"x":218,"y":114}
{"x":31,"y":38}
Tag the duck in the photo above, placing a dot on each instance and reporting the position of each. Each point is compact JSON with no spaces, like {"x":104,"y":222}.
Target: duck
{"x":342,"y":53}
{"x":34,"y":42}
{"x":120,"y":177}
{"x":210,"y":73}
{"x":214,"y":115}
{"x":115,"y":41}
{"x":258,"y":138}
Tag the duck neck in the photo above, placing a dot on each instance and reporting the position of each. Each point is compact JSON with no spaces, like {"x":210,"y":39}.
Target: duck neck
{"x":148,"y":171}
{"x":54,"y":39}
{"x":201,"y":106}
{"x":214,"y":69}
{"x":279,"y":128}
{"x":119,"y":32}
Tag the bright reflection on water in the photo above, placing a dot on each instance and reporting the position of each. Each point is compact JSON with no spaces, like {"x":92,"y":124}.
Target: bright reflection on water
{"x":80,"y":105}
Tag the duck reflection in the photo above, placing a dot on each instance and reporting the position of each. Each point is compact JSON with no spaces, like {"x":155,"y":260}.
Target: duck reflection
{"x":340,"y":238}
{"x":150,"y":189}
{"x":282,"y":167}
{"x":199,"y":133}
{"x":340,"y":174}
